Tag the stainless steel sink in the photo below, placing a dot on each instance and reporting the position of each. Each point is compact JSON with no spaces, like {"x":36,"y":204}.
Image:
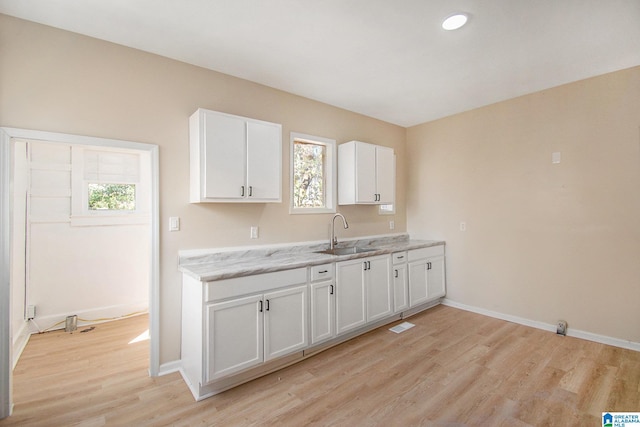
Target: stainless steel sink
{"x":346,"y":251}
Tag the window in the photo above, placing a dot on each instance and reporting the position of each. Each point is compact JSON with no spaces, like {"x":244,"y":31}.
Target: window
{"x":112,"y":197}
{"x":309,"y":181}
{"x":108,"y":187}
{"x":313,"y":175}
{"x":110,"y":179}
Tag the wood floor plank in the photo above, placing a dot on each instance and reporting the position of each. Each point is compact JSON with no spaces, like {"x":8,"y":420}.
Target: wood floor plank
{"x":454,"y":368}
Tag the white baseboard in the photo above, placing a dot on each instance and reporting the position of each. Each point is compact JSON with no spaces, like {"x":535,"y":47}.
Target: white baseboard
{"x":91,"y":316}
{"x":602,"y":339}
{"x":169,"y":367}
{"x":20,"y":341}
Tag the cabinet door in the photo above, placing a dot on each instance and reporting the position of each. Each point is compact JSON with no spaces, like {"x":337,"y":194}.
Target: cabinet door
{"x":350,"y":296}
{"x":385,"y":175}
{"x":418,"y":292}
{"x":264,"y":158}
{"x":379,"y":291}
{"x":224,"y":156}
{"x":233,"y":336}
{"x":365,"y":173}
{"x":400,"y":288}
{"x":435,"y":278}
{"x":285,"y":321}
{"x":322,"y":311}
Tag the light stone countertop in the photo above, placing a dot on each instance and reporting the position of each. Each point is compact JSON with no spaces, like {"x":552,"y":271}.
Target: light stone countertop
{"x":207,"y":266}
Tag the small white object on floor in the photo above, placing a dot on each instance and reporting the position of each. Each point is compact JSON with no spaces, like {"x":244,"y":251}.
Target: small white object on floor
{"x":402,"y":327}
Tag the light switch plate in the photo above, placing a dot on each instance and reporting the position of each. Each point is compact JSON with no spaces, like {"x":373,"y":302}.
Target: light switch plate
{"x":254,"y":232}
{"x":174,"y":223}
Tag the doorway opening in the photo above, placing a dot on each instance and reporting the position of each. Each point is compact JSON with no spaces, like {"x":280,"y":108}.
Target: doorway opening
{"x":78,"y":246}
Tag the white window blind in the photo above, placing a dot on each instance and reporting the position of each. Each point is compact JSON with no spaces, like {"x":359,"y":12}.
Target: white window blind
{"x":119,"y":168}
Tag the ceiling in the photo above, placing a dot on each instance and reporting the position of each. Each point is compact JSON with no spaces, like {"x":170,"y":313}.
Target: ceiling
{"x":386,"y":59}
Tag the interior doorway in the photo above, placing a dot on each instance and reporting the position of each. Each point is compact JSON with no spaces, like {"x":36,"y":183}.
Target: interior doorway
{"x":76,"y":160}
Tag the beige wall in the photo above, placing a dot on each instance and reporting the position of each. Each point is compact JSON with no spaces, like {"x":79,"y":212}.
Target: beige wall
{"x":544,"y":241}
{"x":57,"y":81}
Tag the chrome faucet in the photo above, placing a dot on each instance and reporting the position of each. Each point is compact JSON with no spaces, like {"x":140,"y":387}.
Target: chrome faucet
{"x":333,"y":241}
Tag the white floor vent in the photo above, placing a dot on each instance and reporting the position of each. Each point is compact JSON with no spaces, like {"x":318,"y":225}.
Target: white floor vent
{"x":402,"y":327}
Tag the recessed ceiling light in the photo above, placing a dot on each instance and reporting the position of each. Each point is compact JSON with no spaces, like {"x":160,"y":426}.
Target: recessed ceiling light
{"x":454,"y":22}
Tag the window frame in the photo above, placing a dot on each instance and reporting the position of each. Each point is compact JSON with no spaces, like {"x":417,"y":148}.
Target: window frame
{"x":81,"y":215}
{"x":330,"y":169}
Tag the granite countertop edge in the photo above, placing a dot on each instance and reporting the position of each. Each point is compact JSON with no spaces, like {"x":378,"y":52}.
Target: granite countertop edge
{"x":247,"y":263}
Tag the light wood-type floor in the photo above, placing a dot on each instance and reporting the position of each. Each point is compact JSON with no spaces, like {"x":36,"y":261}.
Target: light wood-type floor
{"x":454,"y":368}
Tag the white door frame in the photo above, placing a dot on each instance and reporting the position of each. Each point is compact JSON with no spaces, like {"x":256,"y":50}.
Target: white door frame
{"x":6,"y":153}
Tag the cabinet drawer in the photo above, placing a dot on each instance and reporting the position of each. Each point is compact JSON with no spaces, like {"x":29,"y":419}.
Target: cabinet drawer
{"x":426,"y":252}
{"x":399,"y":257}
{"x":321,"y":272}
{"x":229,"y":288}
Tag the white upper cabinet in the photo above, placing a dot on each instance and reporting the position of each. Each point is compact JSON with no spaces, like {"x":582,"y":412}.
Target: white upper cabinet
{"x":366,"y":174}
{"x":234,"y":159}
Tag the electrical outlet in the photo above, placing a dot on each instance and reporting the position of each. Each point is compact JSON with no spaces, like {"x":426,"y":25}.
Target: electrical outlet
{"x":463,"y":226}
{"x":174,"y":223}
{"x":71,"y":323}
{"x":562,"y":327}
{"x":392,"y":225}
{"x":254,"y":232}
{"x":31,"y":312}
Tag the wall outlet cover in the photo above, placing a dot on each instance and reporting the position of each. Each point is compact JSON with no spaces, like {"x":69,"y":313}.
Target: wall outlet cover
{"x":561,"y":327}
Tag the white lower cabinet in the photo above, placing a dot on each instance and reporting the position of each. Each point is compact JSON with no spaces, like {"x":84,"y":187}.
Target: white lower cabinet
{"x":418,"y":282}
{"x":435,"y":278}
{"x":378,"y":288}
{"x":400,"y":282}
{"x":350,"y":296}
{"x":285,"y":322}
{"x":323,"y":303}
{"x":363,"y":292}
{"x":426,"y":275}
{"x":234,"y":338}
{"x":231,"y":327}
{"x":248,"y":331}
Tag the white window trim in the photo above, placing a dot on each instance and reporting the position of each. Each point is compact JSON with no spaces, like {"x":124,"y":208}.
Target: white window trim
{"x":81,"y":215}
{"x":331,"y":178}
